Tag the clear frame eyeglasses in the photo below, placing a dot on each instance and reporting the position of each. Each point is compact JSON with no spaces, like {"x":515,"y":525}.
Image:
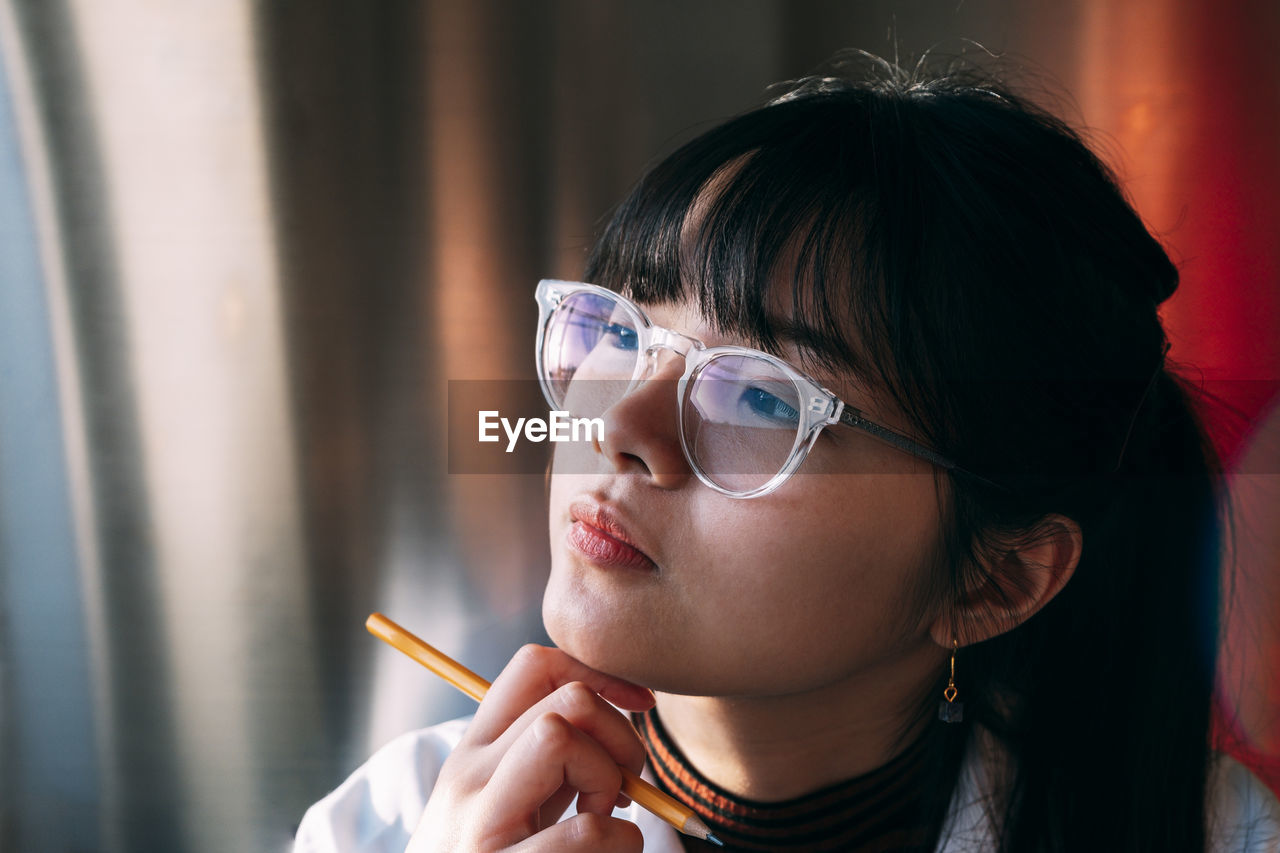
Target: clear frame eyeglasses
{"x":747,"y":419}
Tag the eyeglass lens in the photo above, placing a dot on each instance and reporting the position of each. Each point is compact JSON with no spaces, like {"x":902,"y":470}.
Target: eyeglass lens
{"x":740,"y":416}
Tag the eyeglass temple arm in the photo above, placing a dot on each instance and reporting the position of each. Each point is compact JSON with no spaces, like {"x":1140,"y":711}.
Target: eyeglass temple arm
{"x":854,"y":418}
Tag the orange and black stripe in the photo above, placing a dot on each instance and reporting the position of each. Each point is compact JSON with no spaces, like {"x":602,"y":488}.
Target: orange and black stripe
{"x":878,"y":811}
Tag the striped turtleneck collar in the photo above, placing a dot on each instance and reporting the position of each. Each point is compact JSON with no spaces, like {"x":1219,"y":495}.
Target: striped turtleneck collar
{"x":877,"y":811}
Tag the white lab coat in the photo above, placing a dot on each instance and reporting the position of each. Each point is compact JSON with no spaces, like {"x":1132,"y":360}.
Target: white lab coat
{"x":377,"y":808}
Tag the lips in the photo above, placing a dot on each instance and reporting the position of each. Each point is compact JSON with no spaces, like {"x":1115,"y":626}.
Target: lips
{"x":599,"y":536}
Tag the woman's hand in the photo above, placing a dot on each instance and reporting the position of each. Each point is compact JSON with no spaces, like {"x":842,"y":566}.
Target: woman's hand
{"x":543,"y":733}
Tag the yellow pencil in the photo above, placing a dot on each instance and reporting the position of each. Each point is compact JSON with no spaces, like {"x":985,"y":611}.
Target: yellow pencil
{"x":640,"y":791}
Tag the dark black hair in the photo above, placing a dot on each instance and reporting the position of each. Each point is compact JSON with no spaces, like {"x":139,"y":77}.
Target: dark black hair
{"x":965,"y":252}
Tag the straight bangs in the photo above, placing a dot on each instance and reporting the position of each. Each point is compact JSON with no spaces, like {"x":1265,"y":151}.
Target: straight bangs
{"x":770,"y":224}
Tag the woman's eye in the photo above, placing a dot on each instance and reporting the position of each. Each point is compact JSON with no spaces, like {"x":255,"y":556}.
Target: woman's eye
{"x":621,"y":337}
{"x":762,"y":404}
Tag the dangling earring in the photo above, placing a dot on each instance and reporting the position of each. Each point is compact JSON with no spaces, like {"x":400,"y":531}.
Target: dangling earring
{"x":951,"y":711}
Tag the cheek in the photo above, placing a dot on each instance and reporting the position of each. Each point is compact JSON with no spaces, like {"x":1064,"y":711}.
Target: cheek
{"x":831,"y":585}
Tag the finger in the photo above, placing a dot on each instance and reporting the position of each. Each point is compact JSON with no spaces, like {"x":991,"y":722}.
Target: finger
{"x":534,"y":673}
{"x":591,"y":832}
{"x":554,"y":808}
{"x":550,"y":754}
{"x":593,"y":717}
{"x":590,"y":714}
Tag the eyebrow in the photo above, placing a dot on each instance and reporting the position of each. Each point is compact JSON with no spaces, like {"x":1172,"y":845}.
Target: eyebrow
{"x":817,"y":344}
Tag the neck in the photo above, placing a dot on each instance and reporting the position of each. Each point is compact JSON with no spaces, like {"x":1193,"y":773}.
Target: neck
{"x":773,"y":748}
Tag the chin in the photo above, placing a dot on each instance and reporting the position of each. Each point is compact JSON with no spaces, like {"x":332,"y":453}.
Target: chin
{"x":603,"y":638}
{"x":639,"y":654}
{"x":582,"y":633}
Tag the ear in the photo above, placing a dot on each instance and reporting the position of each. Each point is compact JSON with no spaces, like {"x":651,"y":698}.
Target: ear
{"x":1017,"y":579}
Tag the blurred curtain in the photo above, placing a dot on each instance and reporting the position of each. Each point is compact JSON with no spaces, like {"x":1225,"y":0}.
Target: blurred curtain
{"x":245,"y":247}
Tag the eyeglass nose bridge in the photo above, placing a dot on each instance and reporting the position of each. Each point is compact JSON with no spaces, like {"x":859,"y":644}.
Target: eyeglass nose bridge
{"x":670,"y":340}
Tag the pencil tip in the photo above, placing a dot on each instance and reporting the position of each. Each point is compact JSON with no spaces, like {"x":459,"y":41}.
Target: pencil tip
{"x":695,"y":827}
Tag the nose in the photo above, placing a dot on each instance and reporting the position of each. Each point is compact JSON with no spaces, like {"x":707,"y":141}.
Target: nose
{"x":641,"y":431}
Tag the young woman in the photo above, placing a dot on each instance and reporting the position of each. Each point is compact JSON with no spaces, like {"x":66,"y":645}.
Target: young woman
{"x":902,"y":535}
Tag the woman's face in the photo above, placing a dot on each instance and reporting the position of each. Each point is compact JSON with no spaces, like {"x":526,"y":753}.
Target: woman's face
{"x":817,"y":581}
